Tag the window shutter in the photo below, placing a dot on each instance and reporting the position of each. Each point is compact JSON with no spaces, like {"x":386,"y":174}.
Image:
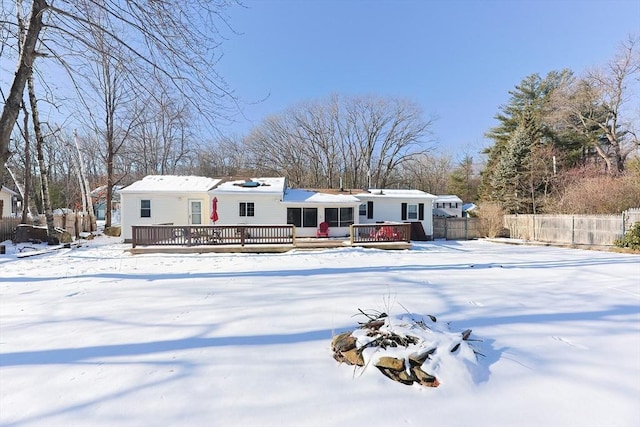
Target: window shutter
{"x":369,"y":209}
{"x":421,"y":211}
{"x":404,"y":211}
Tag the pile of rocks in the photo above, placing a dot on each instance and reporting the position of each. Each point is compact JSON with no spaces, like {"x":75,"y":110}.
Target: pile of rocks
{"x":403,"y":348}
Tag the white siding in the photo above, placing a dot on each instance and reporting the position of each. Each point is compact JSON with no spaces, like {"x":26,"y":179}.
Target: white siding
{"x":6,"y":204}
{"x":165,"y":208}
{"x":390,"y":209}
{"x":268,"y":209}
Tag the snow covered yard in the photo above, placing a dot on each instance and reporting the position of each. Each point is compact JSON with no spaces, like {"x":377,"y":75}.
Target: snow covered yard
{"x":93,"y":336}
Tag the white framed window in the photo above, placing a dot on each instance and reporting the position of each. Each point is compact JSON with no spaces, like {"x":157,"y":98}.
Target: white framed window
{"x":412,"y":212}
{"x":145,"y":208}
{"x":247,"y":209}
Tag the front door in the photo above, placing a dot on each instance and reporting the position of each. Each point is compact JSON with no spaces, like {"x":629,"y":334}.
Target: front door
{"x":195,"y":212}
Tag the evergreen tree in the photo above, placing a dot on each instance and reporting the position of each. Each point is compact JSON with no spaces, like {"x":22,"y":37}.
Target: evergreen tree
{"x":527,"y":115}
{"x":464,"y":180}
{"x":509,"y":180}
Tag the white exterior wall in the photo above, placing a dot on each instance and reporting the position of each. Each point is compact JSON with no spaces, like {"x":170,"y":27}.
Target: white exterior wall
{"x":5,"y":196}
{"x":268,"y":209}
{"x":390,"y":209}
{"x":165,"y":208}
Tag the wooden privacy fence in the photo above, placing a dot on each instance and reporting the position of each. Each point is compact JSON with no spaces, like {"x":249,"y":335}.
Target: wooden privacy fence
{"x":386,"y":232}
{"x":73,"y":222}
{"x":457,"y":228}
{"x":211,"y":235}
{"x":8,"y":227}
{"x":597,"y":230}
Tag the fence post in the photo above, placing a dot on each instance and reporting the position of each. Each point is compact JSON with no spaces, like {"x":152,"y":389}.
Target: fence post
{"x":466,"y":227}
{"x":573,"y":229}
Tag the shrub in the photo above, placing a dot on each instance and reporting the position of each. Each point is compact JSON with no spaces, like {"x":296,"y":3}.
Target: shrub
{"x":492,"y":216}
{"x":631,"y":239}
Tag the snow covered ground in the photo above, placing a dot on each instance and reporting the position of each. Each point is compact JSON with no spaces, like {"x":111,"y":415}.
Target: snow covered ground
{"x":93,"y":336}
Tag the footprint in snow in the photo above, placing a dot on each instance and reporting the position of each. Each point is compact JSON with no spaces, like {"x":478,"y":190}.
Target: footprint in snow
{"x":476,"y":303}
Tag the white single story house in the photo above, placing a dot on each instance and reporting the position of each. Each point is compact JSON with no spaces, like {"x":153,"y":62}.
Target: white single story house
{"x":190,"y":200}
{"x":269,"y":201}
{"x":415,"y":206}
{"x":165,"y":199}
{"x":448,"y":206}
{"x":8,"y":202}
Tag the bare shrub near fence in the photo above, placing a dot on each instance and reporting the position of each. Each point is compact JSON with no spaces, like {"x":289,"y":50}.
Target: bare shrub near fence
{"x":599,"y":195}
{"x":492,"y":216}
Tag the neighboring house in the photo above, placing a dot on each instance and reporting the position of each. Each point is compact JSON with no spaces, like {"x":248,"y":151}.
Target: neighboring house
{"x":447,"y":206}
{"x":379,"y":205}
{"x":8,"y":202}
{"x":166,"y":199}
{"x":468,"y":209}
{"x":99,"y":198}
{"x":268,"y":201}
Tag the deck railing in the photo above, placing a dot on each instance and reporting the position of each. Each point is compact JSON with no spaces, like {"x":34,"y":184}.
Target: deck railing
{"x":382,"y":232}
{"x":211,"y":235}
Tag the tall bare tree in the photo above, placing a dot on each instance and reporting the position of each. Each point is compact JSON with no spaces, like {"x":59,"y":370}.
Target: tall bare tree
{"x":179,"y":39}
{"x":596,"y":106}
{"x":357,"y":141}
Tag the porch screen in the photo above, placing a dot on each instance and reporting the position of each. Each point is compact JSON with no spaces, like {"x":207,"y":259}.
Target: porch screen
{"x":302,"y":217}
{"x":339,"y":217}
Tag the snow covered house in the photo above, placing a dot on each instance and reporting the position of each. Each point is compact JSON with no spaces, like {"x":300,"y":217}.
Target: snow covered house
{"x":415,"y":206}
{"x":269,"y":201}
{"x":190,"y":200}
{"x":8,"y":202}
{"x":165,"y":199}
{"x":448,"y":206}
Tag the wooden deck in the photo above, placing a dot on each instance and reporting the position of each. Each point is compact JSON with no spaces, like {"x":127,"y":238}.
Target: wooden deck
{"x":260,"y":239}
{"x":301,"y":244}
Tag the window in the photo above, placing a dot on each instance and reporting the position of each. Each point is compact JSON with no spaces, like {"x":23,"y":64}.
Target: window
{"x":366,"y":209}
{"x":247,"y":209}
{"x":310,"y":217}
{"x":412,"y":211}
{"x":302,"y":217}
{"x":339,"y":217}
{"x":145,"y":208}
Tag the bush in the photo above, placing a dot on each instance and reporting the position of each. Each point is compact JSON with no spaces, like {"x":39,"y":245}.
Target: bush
{"x":492,"y":217}
{"x":631,"y":239}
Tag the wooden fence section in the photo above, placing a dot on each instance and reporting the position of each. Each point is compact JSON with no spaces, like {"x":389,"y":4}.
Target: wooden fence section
{"x":8,"y":227}
{"x":596,"y":230}
{"x":457,"y":228}
{"x":193,"y":235}
{"x":387,"y":232}
{"x":73,"y":222}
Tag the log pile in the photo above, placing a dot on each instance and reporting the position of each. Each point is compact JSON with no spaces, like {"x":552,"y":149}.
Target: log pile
{"x":405,"y":348}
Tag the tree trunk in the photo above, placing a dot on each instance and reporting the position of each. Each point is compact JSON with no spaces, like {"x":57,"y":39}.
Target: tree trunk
{"x":84,"y":185}
{"x":44,"y":180}
{"x":26,"y":197}
{"x":14,"y":99}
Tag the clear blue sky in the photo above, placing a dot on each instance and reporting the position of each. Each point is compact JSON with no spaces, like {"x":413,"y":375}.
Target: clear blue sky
{"x":457,"y":59}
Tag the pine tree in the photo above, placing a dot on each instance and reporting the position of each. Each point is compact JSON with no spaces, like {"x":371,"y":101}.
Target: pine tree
{"x":509,"y":180}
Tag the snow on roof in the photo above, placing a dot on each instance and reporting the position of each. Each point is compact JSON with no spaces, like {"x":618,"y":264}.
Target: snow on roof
{"x":298,"y":195}
{"x":448,"y":198}
{"x":253,"y":185}
{"x":395,"y":193}
{"x":8,"y":190}
{"x":171,"y":184}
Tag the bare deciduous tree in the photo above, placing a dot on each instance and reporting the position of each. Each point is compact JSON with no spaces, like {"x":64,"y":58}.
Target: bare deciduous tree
{"x":178,"y":39}
{"x":595,"y":106}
